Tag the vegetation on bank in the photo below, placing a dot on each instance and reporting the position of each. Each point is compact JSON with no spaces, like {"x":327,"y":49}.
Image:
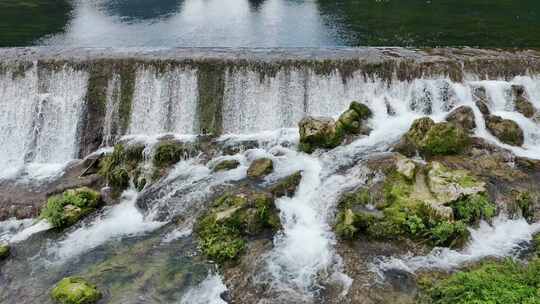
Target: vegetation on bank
{"x":491,"y":282}
{"x":66,"y":209}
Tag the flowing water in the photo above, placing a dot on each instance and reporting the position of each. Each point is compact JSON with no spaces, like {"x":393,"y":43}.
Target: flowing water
{"x":41,"y":119}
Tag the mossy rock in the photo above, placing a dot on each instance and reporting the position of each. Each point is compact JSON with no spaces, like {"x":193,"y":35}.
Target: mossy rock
{"x":69,"y":207}
{"x":363,"y":111}
{"x":318,"y":133}
{"x":506,"y":130}
{"x":224,"y":230}
{"x":225,"y":165}
{"x":430,"y":138}
{"x":4,"y":251}
{"x":75,"y":290}
{"x":407,"y":208}
{"x":521,"y":102}
{"x":118,"y":167}
{"x":287,"y":186}
{"x":463,"y":117}
{"x":260,"y":168}
{"x":168,"y":153}
{"x":491,"y":282}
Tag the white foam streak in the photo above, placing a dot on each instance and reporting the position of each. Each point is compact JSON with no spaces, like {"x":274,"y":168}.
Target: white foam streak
{"x":207,"y":292}
{"x":121,"y":220}
{"x":504,"y":238}
{"x":29,"y":230}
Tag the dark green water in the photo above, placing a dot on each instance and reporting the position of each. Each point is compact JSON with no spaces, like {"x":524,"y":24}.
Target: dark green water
{"x":270,"y":23}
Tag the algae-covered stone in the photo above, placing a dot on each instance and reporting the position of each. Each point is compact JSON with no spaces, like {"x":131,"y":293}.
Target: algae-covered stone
{"x":363,"y":111}
{"x":168,"y":153}
{"x":260,"y":168}
{"x":118,"y":167}
{"x":506,"y":130}
{"x":318,"y":132}
{"x":432,"y":138}
{"x":521,"y":102}
{"x":225,"y":165}
{"x":463,"y":117}
{"x":69,"y":207}
{"x":75,"y":290}
{"x":4,"y":251}
{"x":287,"y":186}
{"x":223,"y":230}
{"x":443,"y":139}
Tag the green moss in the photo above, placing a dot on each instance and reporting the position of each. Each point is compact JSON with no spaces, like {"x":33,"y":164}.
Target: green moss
{"x":490,"y":283}
{"x":66,"y":209}
{"x":443,"y":139}
{"x":525,"y":202}
{"x":168,"y":153}
{"x":403,"y":216}
{"x":287,"y":186}
{"x":75,"y":290}
{"x":4,"y":251}
{"x":260,"y":168}
{"x":223,"y":231}
{"x":224,"y":165}
{"x":120,"y":166}
{"x":473,"y":208}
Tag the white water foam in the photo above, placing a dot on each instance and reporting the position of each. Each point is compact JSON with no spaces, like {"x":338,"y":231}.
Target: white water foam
{"x":29,"y":230}
{"x":506,"y":237}
{"x":122,"y":220}
{"x":207,"y":292}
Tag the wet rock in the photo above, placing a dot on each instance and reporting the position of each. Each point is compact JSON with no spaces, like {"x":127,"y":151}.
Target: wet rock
{"x":119,"y":167}
{"x":287,"y":186}
{"x":481,"y":100}
{"x":318,"y":132}
{"x":430,"y":138}
{"x":4,"y":251}
{"x":506,"y":130}
{"x":225,"y":165}
{"x":325,"y":133}
{"x":223,"y":231}
{"x":260,"y":168}
{"x":106,"y":196}
{"x":463,"y":117}
{"x":66,"y":209}
{"x":75,"y":290}
{"x":521,"y":102}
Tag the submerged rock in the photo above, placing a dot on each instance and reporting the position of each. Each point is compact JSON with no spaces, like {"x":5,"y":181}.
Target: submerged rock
{"x":4,"y":251}
{"x":75,"y":290}
{"x":260,"y":168}
{"x":225,"y":165}
{"x":521,"y":102}
{"x":66,"y":209}
{"x":506,"y":130}
{"x":463,"y":117}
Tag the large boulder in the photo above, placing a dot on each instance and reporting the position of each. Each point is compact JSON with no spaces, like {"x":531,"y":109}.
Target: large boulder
{"x":323,"y":132}
{"x":260,"y":168}
{"x":287,"y":186}
{"x":225,"y":165}
{"x":430,"y":138}
{"x":521,"y":102}
{"x":318,"y":132}
{"x":506,"y":130}
{"x":75,"y":290}
{"x":463,"y":117}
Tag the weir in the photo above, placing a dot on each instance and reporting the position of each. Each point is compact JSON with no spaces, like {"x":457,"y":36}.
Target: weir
{"x":58,"y":105}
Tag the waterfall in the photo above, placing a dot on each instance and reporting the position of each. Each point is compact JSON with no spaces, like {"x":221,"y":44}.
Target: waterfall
{"x":44,"y":106}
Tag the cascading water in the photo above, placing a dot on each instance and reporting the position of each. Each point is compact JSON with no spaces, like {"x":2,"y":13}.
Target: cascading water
{"x":41,"y":113}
